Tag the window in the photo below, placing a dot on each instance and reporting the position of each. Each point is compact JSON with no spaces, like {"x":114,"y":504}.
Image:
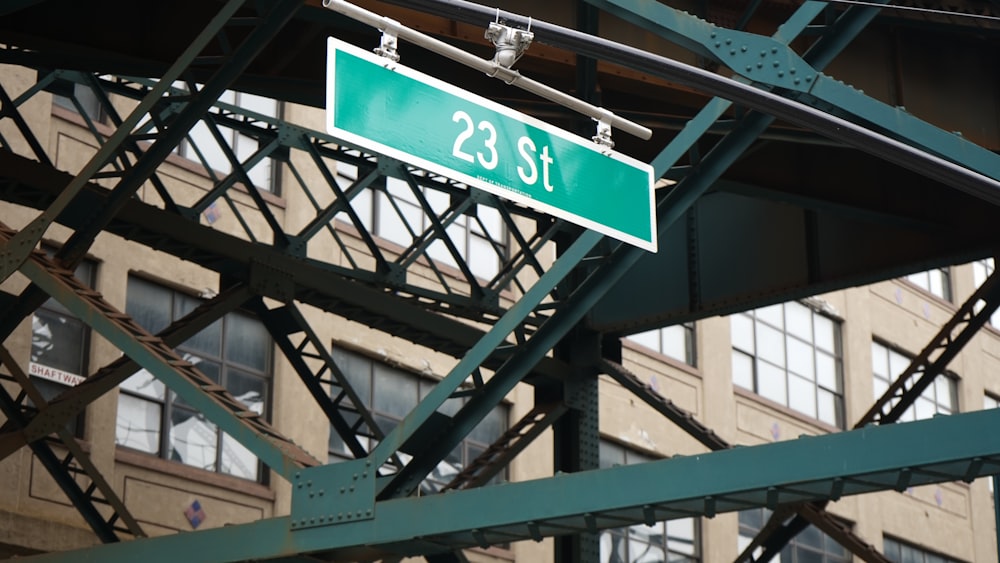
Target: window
{"x":675,"y":341}
{"x":900,"y":552}
{"x":200,"y":139}
{"x":234,"y":352}
{"x":393,"y":211}
{"x":676,"y":541}
{"x":791,"y":354}
{"x":939,"y":398}
{"x":981,"y":270}
{"x":937,"y":282}
{"x":83,"y":100}
{"x":391,"y":393}
{"x":59,"y":345}
{"x":809,"y":546}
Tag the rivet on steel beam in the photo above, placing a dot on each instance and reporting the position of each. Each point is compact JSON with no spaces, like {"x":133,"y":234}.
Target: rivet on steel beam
{"x":712,"y":35}
{"x":791,"y":70}
{"x":775,"y":64}
{"x":763,"y":54}
{"x":774,"y":50}
{"x":780,"y":74}
{"x":749,"y":68}
{"x":743,"y":49}
{"x":717,"y":44}
{"x":729,"y":41}
{"x":796,"y":81}
{"x":732,"y":52}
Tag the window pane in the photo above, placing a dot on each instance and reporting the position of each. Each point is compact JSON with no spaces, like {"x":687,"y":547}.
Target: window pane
{"x":772,"y":315}
{"x":826,"y":333}
{"x":675,"y":342}
{"x":802,"y":395}
{"x":193,"y":439}
{"x":826,"y":372}
{"x":743,"y":370}
{"x":742,"y":332}
{"x":650,"y":339}
{"x":248,"y":389}
{"x":770,"y":345}
{"x":138,"y":425}
{"x":771,"y":382}
{"x":209,"y":340}
{"x":397,"y":393}
{"x":798,"y":320}
{"x":143,"y":383}
{"x":800,"y":358}
{"x":247,"y":342}
{"x":150,"y":305}
{"x":237,"y":460}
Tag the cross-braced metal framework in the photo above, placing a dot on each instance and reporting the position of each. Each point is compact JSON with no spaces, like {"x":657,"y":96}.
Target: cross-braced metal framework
{"x":453,"y":269}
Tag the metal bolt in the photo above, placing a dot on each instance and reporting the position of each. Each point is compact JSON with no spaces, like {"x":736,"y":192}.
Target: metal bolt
{"x":352,"y":489}
{"x":342,"y":490}
{"x":729,"y":41}
{"x":775,"y":64}
{"x":760,"y":65}
{"x":717,"y":44}
{"x":780,"y":74}
{"x":321,"y":491}
{"x":712,"y":35}
{"x":340,"y":516}
{"x":791,"y":70}
{"x":369,"y":512}
{"x":732,"y":52}
{"x":796,"y":81}
{"x":763,"y":54}
{"x":749,"y":68}
{"x":364,"y":474}
{"x":774,"y":50}
{"x":355,"y":476}
{"x":359,"y":514}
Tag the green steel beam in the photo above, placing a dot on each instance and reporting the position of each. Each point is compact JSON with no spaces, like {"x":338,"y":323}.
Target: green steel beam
{"x":893,"y":457}
{"x":179,"y":376}
{"x":771,"y":63}
{"x":17,"y":250}
{"x":70,"y":403}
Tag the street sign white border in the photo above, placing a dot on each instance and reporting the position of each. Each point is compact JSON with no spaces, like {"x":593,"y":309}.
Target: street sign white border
{"x":334,"y":44}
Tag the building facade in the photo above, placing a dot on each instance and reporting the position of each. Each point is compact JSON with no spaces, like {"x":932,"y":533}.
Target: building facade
{"x":791,"y":369}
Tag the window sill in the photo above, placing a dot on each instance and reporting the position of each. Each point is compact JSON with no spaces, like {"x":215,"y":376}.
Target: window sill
{"x":787,"y":411}
{"x":951,"y":306}
{"x":176,"y":469}
{"x":661,"y":357}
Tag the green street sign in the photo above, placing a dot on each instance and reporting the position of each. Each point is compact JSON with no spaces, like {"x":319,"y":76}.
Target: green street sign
{"x":382,"y":106}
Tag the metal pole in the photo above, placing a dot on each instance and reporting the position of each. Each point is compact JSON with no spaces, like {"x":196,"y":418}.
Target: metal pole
{"x":490,"y":68}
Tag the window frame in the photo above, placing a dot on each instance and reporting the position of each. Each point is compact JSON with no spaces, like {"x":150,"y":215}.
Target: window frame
{"x":878,"y":381}
{"x":754,"y":371}
{"x":373,"y":206}
{"x":625,"y":538}
{"x":470,"y":447}
{"x":169,"y":403}
{"x":662,"y":336}
{"x":925,"y":282}
{"x":829,"y":550}
{"x":924,"y":554}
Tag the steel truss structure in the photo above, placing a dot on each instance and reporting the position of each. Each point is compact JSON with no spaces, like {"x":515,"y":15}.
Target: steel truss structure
{"x":552,"y":325}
